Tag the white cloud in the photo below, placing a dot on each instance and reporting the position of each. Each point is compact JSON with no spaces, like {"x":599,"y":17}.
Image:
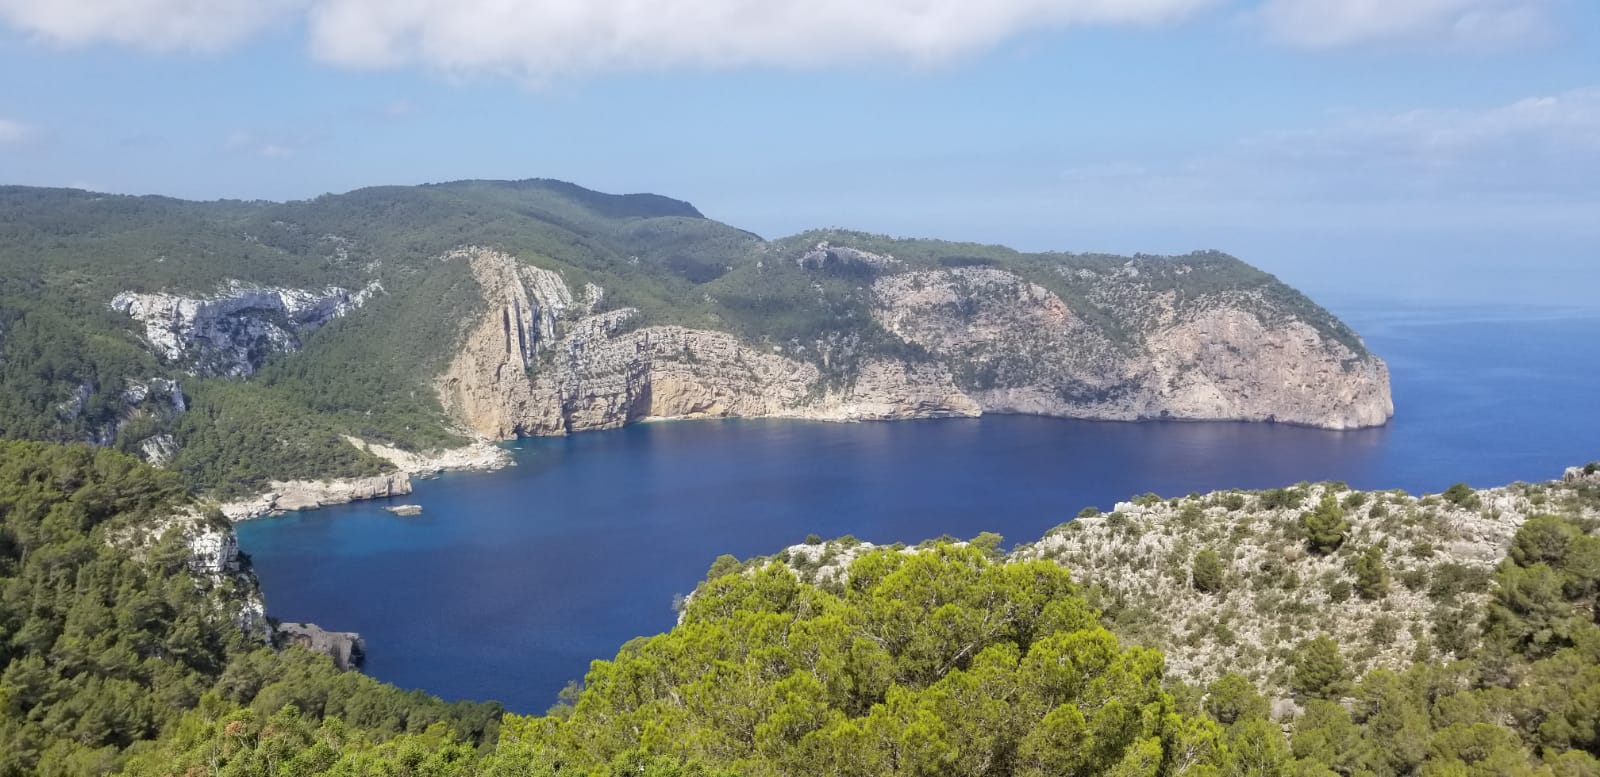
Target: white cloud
{"x":242,"y":142}
{"x":544,"y":38}
{"x":402,"y":108}
{"x":14,"y":132}
{"x":1326,"y":24}
{"x":1540,"y":149}
{"x":160,"y":25}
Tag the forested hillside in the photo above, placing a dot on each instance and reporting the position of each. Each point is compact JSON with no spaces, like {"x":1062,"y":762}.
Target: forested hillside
{"x":108,"y":643}
{"x":238,"y":342}
{"x":123,"y":652}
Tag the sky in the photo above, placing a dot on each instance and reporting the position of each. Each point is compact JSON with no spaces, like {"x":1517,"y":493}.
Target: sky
{"x":1437,"y":151}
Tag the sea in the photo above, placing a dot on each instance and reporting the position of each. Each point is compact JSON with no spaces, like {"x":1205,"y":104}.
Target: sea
{"x":510,"y":583}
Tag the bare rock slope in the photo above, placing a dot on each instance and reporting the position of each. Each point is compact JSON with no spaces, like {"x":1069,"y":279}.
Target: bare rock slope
{"x":544,"y":360}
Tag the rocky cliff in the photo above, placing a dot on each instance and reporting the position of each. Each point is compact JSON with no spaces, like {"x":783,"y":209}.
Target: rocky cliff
{"x":229,"y":333}
{"x":347,"y":649}
{"x":589,"y":311}
{"x":962,"y":342}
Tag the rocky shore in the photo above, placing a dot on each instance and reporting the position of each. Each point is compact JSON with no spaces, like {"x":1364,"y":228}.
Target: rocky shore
{"x":288,"y":496}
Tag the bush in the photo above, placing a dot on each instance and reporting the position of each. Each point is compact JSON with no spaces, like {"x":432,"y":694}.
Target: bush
{"x":1384,"y":630}
{"x":1281,"y":499}
{"x":1452,"y":579}
{"x":1325,"y":527}
{"x":1461,"y":495}
{"x":1339,"y":592}
{"x":723,"y":566}
{"x":1089,"y":512}
{"x":1372,"y":574}
{"x":1207,"y":571}
{"x":812,"y":539}
{"x":1232,"y":698}
{"x":1319,"y":670}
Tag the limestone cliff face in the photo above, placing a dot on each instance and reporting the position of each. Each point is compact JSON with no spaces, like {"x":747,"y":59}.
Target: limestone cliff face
{"x":981,"y":340}
{"x":538,"y":364}
{"x":230,"y":332}
{"x":1023,"y":350}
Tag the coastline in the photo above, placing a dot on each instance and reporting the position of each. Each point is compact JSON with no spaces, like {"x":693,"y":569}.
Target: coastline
{"x":285,"y":496}
{"x":484,"y":455}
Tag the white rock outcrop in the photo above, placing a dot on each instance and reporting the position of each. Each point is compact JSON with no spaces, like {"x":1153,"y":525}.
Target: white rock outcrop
{"x":213,"y":561}
{"x":230,"y":332}
{"x":287,"y":496}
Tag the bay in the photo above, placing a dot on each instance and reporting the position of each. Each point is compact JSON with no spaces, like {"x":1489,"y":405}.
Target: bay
{"x":510,"y":582}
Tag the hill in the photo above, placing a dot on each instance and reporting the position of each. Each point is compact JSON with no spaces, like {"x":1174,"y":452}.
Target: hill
{"x":259,"y":346}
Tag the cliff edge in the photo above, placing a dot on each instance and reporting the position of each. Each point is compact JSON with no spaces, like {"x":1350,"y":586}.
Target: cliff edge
{"x":955,"y":342}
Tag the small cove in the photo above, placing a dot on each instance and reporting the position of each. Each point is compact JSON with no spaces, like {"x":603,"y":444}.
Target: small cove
{"x":510,"y":582}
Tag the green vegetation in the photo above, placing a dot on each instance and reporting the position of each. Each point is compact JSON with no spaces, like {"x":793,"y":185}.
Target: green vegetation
{"x":1319,"y":669}
{"x":1325,"y":527}
{"x":1207,"y":571}
{"x":105,"y":642}
{"x":65,"y":358}
{"x":1461,"y":495}
{"x":117,"y":657}
{"x":1372,"y":574}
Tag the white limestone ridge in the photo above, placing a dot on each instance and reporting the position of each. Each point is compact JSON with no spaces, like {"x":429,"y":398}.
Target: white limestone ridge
{"x":229,"y":332}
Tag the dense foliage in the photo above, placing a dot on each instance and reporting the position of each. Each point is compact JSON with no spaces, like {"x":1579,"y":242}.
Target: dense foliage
{"x":106,"y":641}
{"x":942,"y":660}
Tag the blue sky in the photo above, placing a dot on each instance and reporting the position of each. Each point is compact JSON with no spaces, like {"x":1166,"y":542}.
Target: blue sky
{"x":1438,"y":150}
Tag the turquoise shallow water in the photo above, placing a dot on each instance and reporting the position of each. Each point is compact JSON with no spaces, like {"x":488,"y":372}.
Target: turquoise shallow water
{"x":511,"y":582}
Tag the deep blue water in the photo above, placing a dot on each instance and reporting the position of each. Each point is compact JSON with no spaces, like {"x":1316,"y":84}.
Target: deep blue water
{"x":511,"y":582}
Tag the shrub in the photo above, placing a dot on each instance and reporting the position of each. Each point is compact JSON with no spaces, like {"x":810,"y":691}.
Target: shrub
{"x":1281,"y":499}
{"x":724,"y":565}
{"x":1372,"y":574}
{"x":1339,"y":592}
{"x":1461,"y":495}
{"x":1089,"y":512}
{"x":1207,"y":571}
{"x":1319,"y":670}
{"x":1325,"y":527}
{"x":1384,"y":630}
{"x":813,"y":539}
{"x":1451,"y":579}
{"x":1232,"y":698}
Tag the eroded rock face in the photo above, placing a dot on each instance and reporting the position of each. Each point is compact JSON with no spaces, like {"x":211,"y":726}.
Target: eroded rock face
{"x":230,"y":333}
{"x":286,"y":496}
{"x":347,"y":649}
{"x":215,"y":563}
{"x":540,"y":364}
{"x":1023,"y":350}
